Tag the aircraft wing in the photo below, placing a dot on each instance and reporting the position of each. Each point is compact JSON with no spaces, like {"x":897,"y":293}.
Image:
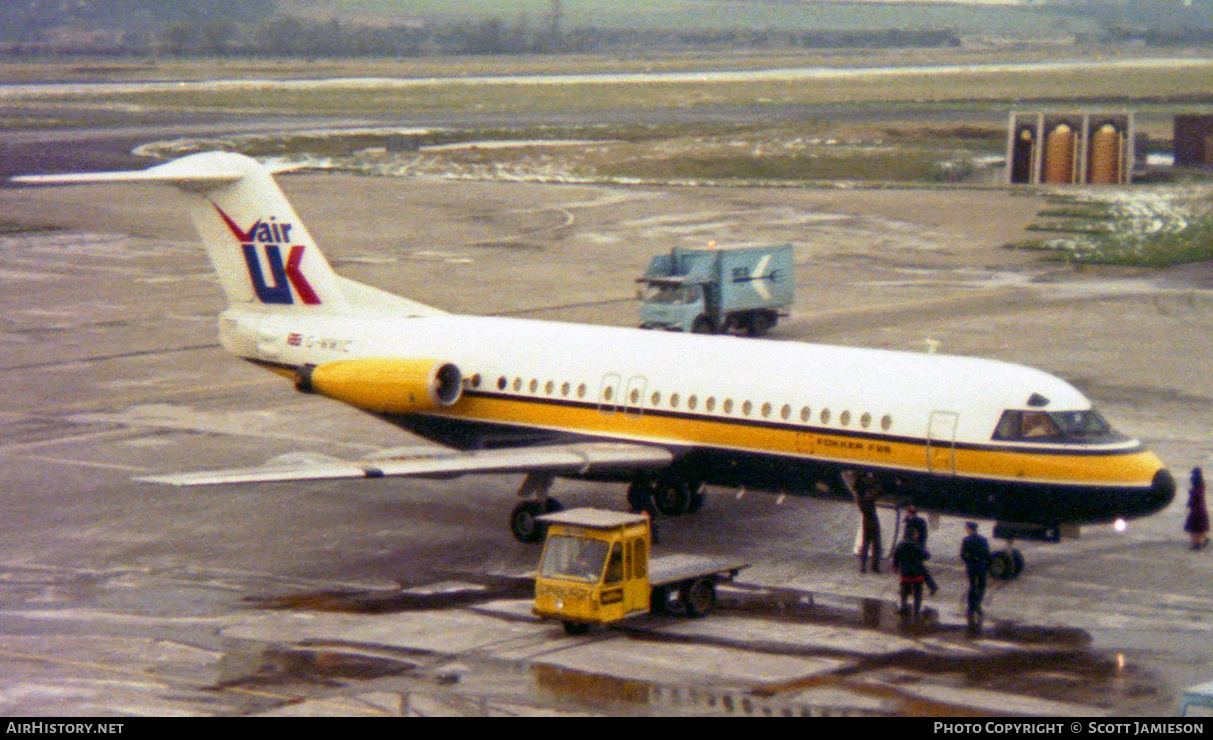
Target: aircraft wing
{"x":569,"y":459}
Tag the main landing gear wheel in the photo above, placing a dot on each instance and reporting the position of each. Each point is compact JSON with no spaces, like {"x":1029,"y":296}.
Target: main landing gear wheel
{"x":1006,"y":565}
{"x":671,"y":497}
{"x":675,"y":497}
{"x":524,"y":521}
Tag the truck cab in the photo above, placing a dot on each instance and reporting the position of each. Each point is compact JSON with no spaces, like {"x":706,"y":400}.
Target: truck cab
{"x":717,"y":290}
{"x":673,"y":303}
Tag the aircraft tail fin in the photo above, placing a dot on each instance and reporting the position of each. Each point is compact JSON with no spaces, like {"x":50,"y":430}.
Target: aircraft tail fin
{"x":256,"y":242}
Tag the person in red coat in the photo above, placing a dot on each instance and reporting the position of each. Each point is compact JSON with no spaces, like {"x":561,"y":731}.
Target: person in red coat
{"x":1197,"y":523}
{"x":909,"y":560}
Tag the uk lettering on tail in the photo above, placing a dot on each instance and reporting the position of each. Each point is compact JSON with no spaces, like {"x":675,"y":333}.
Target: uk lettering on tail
{"x":665,"y":413}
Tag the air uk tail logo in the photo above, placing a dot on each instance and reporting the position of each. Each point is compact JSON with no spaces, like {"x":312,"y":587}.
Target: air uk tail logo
{"x":271,"y":237}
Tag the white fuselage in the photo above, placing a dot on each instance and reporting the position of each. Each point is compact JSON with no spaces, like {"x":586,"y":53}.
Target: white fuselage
{"x":924,"y":416}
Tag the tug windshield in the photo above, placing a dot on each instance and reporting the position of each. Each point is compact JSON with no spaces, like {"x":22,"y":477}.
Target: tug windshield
{"x":1055,"y":427}
{"x":574,"y":558}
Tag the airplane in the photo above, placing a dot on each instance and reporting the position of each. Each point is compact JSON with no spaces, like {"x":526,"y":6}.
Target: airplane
{"x":664,"y":412}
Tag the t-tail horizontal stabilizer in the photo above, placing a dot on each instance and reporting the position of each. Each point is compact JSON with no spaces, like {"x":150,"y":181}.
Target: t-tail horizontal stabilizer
{"x":256,"y":242}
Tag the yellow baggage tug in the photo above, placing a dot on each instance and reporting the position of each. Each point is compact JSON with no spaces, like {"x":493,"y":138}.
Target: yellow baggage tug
{"x":597,"y":569}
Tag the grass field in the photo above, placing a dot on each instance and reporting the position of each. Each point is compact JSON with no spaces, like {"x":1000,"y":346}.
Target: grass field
{"x":690,"y":15}
{"x":928,"y":118}
{"x":1126,"y":82}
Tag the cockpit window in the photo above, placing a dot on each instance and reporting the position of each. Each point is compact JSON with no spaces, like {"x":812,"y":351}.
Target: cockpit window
{"x":1054,"y":426}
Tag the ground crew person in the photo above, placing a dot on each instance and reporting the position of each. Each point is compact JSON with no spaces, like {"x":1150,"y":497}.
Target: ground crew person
{"x":869,"y":548}
{"x":909,"y":560}
{"x":916,"y":523}
{"x":975,"y":552}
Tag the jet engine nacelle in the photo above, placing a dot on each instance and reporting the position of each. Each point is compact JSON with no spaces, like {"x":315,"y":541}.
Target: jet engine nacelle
{"x":385,"y":385}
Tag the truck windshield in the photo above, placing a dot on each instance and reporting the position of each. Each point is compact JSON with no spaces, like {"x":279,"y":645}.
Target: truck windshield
{"x":667,"y":293}
{"x":1055,"y":426}
{"x":574,"y":558}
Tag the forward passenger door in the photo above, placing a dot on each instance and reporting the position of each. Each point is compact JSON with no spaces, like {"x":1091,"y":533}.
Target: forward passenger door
{"x":941,"y":442}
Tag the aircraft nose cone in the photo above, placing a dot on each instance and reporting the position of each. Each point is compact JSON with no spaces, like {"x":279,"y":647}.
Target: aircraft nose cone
{"x":1162,"y":492}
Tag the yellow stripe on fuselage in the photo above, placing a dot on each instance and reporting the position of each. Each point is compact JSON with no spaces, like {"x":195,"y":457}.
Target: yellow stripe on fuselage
{"x":1084,"y":465}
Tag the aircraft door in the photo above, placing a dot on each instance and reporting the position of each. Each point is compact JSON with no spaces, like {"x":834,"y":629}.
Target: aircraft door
{"x":633,"y":398}
{"x":941,"y":442}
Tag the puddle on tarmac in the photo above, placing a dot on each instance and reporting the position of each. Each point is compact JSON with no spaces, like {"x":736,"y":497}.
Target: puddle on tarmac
{"x":250,"y":662}
{"x":1043,"y":662}
{"x":440,"y":596}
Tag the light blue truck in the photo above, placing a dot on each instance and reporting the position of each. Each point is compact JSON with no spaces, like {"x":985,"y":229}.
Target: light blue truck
{"x":717,"y":290}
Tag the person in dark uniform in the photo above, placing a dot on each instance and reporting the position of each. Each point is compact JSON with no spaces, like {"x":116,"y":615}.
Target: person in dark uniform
{"x":917,"y":524}
{"x":975,"y":552}
{"x":865,"y":499}
{"x":1197,"y":522}
{"x":640,"y":501}
{"x":909,"y":560}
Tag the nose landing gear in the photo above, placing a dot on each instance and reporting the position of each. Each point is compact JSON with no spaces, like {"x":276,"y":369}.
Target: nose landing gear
{"x":1006,"y":565}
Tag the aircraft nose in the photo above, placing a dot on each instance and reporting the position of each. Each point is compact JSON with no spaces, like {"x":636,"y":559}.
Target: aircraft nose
{"x":1162,"y":492}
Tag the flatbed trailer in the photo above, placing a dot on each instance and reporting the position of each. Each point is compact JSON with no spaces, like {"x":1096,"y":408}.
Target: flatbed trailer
{"x":597,"y":568}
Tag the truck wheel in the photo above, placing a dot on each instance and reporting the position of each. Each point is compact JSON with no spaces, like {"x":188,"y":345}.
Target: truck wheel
{"x":698,"y":597}
{"x":761,"y":322}
{"x":703,"y":325}
{"x":659,"y":599}
{"x":576,"y":628}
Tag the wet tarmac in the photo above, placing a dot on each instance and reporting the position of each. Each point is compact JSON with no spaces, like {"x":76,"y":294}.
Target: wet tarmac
{"x":410,"y":597}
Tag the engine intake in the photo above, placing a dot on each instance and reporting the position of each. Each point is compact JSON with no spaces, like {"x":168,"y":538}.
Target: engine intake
{"x":385,"y":385}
